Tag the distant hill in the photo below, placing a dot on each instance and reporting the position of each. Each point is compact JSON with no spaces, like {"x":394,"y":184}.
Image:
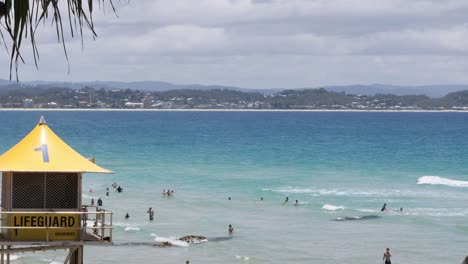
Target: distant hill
{"x":433,"y":91}
{"x":45,"y":96}
{"x":151,"y":86}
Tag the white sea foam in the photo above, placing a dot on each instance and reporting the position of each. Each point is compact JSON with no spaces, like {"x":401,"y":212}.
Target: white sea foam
{"x":330,"y":207}
{"x":14,"y":257}
{"x":325,"y":192}
{"x":132,"y":228}
{"x":293,"y":190}
{"x":90,"y":196}
{"x":245,"y":258}
{"x":173,"y":240}
{"x":378,"y":193}
{"x":436,"y":212}
{"x":435,"y":180}
{"x":368,"y":210}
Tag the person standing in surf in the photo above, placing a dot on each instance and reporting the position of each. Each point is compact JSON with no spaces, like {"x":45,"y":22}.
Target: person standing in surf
{"x":387,"y":256}
{"x":231,"y":230}
{"x":151,"y":214}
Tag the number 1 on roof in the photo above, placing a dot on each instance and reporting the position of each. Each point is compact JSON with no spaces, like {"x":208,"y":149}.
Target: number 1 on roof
{"x":45,"y":152}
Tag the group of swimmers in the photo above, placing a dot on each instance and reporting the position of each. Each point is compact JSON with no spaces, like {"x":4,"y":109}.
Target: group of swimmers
{"x":286,"y":200}
{"x":169,"y":193}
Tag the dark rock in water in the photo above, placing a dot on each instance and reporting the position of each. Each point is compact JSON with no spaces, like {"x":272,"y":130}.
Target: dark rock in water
{"x":193,"y":239}
{"x":166,"y":244}
{"x":354,"y":218}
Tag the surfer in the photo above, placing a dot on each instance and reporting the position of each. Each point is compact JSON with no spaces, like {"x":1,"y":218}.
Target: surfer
{"x":384,"y":208}
{"x":231,"y":230}
{"x":386,"y":256}
{"x":286,"y":200}
{"x":151,"y":214}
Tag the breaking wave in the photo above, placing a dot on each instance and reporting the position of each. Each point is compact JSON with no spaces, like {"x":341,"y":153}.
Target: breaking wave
{"x":132,"y":228}
{"x":330,"y":207}
{"x":325,"y":192}
{"x":435,"y":180}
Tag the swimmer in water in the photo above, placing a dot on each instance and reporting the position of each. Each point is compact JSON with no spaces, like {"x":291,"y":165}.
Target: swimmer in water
{"x":387,"y":256}
{"x":296,"y":203}
{"x":286,"y":200}
{"x":231,"y":230}
{"x":127,"y":216}
{"x":384,"y":208}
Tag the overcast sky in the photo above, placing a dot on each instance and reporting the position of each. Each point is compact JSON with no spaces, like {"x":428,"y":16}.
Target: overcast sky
{"x":265,"y":44}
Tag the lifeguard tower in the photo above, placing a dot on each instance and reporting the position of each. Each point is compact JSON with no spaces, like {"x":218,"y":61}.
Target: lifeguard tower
{"x":41,"y":200}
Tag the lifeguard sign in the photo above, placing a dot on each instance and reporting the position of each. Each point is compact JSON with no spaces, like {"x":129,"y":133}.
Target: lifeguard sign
{"x":41,"y":188}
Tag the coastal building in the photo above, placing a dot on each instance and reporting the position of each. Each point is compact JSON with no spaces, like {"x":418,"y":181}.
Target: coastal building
{"x":28,"y":103}
{"x":42,"y":207}
{"x":133,"y":105}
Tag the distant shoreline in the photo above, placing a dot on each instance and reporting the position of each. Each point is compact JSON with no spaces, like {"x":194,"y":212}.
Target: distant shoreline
{"x":226,"y":110}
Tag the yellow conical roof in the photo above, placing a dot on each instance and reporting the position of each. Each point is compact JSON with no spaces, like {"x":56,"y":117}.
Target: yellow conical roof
{"x":43,"y":151}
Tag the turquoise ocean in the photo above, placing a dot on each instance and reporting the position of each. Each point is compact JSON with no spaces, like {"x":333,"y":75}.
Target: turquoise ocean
{"x":340,"y":166}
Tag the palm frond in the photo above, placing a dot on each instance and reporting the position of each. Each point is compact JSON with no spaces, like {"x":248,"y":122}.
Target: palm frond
{"x":21,"y":18}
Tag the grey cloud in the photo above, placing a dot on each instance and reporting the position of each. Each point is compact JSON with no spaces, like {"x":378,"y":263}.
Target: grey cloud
{"x":268,"y":43}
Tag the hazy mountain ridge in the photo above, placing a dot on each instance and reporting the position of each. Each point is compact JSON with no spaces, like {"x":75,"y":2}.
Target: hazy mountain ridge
{"x":434,"y":91}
